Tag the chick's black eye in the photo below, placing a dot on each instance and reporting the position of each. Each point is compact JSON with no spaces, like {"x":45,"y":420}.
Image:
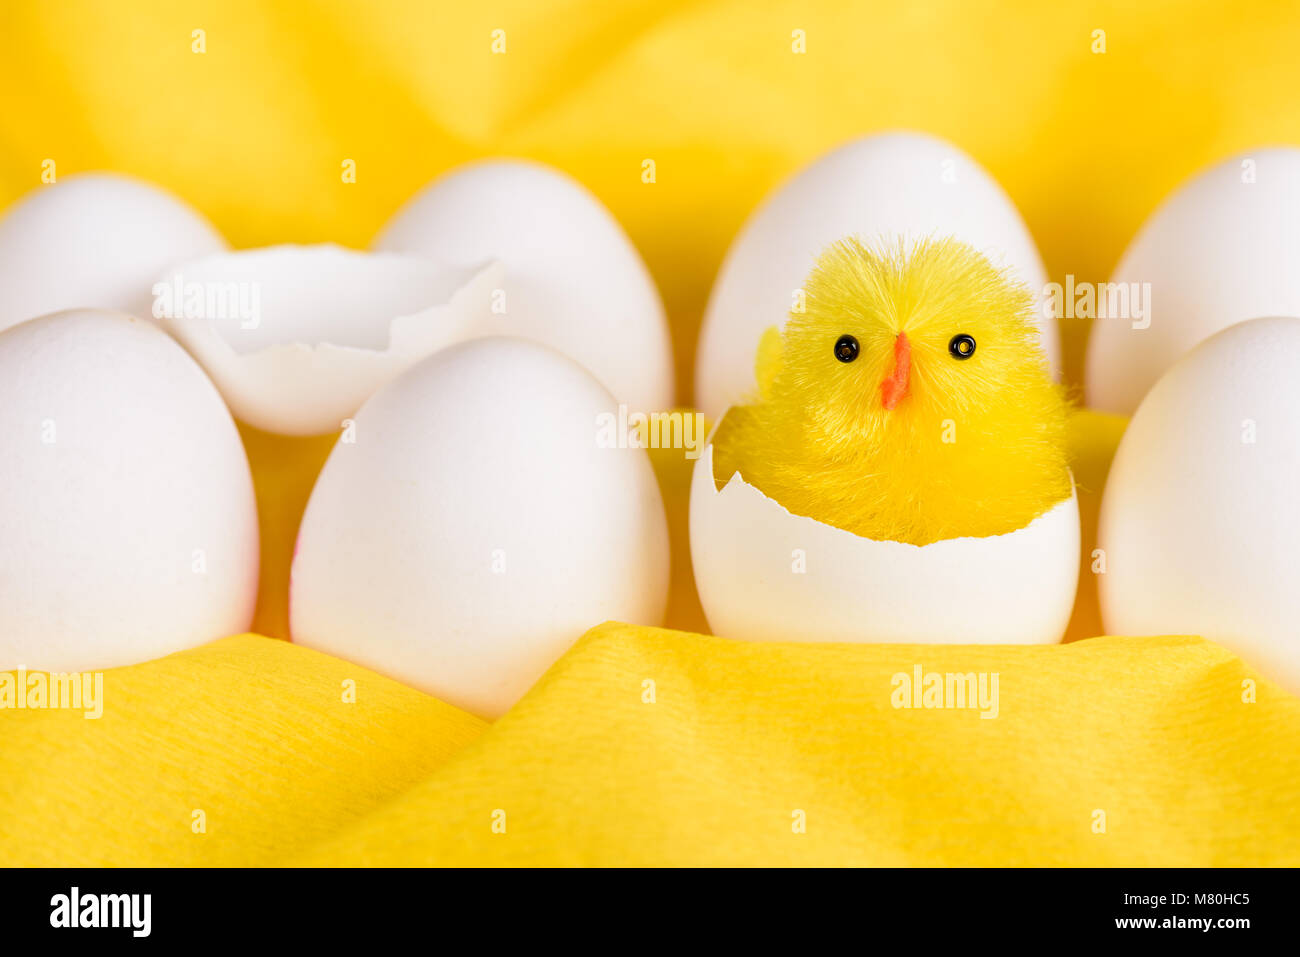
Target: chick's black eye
{"x":846,"y":348}
{"x":962,"y":347}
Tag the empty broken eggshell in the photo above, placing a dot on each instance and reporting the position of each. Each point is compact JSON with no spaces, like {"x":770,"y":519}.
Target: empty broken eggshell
{"x":765,"y":574}
{"x":296,"y":338}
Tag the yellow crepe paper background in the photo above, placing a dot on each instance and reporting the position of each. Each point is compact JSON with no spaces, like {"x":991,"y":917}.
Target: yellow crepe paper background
{"x":255,"y":732}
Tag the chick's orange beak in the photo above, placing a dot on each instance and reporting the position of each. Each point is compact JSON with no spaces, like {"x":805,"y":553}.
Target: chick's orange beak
{"x":894,"y":389}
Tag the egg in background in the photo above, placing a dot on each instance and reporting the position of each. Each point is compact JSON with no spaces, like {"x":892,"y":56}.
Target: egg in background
{"x":765,"y":574}
{"x":128,"y":528}
{"x":93,"y":240}
{"x":473,"y":527}
{"x":1200,"y":521}
{"x":894,"y":185}
{"x":574,"y":281}
{"x":1222,"y":248}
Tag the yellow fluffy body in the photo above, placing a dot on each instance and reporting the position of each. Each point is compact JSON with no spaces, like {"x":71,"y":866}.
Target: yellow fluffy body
{"x":977,"y":446}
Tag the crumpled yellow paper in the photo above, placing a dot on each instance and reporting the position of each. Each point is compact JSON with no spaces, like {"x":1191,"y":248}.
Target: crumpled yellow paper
{"x":644,"y":745}
{"x":647,"y":746}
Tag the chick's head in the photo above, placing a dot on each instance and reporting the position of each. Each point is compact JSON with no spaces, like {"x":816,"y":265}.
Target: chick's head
{"x":910,"y":398}
{"x":889,"y":340}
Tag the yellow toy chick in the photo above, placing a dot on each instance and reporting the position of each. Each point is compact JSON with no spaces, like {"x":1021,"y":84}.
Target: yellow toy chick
{"x":910,"y":401}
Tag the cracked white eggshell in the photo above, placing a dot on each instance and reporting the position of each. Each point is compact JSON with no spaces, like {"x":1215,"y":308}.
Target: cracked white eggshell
{"x":574,"y":281}
{"x":1221,"y":249}
{"x":746,"y":549}
{"x":1200,"y":521}
{"x":93,"y":240}
{"x":128,"y":528}
{"x":305,"y":334}
{"x":476,"y":527}
{"x":891,"y":185}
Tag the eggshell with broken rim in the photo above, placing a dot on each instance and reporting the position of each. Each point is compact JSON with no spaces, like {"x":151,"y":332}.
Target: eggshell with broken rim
{"x":765,"y":574}
{"x":296,"y":338}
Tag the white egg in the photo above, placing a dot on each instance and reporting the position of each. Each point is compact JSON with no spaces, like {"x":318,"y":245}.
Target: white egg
{"x":298,"y":337}
{"x":574,"y":281}
{"x":93,"y":240}
{"x":474,"y":526}
{"x":764,"y":574}
{"x":1200,"y":521}
{"x":128,"y":528}
{"x":887,"y":187}
{"x":1223,"y":248}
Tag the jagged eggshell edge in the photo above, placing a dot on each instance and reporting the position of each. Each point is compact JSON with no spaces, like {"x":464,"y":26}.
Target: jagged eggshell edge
{"x":309,"y":387}
{"x":1016,"y":588}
